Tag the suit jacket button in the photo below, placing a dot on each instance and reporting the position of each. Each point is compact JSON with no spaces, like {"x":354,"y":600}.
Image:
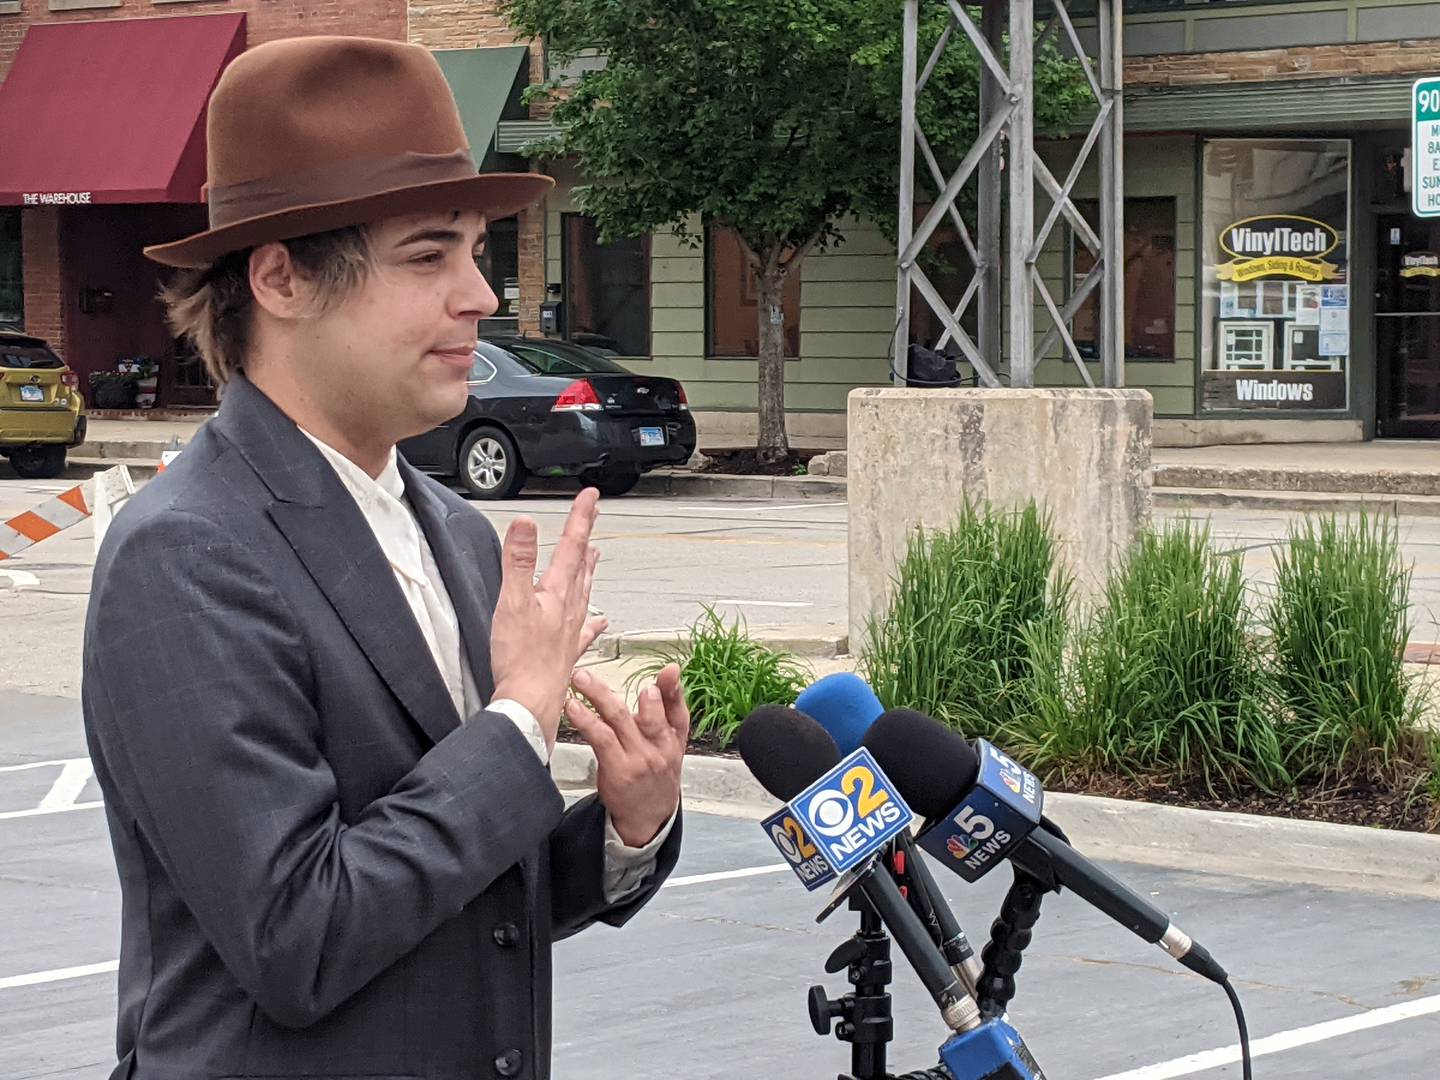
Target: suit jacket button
{"x":508,"y":1063}
{"x":507,"y":935}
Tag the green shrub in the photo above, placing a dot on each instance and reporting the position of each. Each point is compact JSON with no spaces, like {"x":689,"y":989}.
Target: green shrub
{"x":1163,"y":678}
{"x":956,"y":637}
{"x":726,"y":674}
{"x":1339,"y":624}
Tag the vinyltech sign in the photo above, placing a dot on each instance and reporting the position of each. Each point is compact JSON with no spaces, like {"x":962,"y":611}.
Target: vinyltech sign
{"x":1279,"y":246}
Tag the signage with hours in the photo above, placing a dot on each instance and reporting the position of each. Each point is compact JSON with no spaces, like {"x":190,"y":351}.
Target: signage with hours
{"x":1425,"y":148}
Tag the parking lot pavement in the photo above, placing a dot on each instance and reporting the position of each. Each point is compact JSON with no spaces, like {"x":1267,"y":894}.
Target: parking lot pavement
{"x":710,"y":980}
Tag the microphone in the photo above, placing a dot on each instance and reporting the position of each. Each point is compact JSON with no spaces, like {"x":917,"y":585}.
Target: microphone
{"x":981,"y":808}
{"x":845,"y":706}
{"x":789,"y":753}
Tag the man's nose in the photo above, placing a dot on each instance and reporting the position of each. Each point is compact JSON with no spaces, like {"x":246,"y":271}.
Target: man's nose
{"x":477,"y":299}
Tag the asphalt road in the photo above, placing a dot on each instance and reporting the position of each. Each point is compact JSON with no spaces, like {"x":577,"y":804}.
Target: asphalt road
{"x":710,"y":980}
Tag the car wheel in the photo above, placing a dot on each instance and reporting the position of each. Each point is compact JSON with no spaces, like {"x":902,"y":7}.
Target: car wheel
{"x":490,"y":466}
{"x":612,"y":480}
{"x":38,"y":462}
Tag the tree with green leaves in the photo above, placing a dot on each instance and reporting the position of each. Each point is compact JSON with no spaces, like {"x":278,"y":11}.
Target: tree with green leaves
{"x":775,"y":118}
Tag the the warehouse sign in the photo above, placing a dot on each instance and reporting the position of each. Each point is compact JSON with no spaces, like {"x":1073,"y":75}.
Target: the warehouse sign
{"x":1278,"y":246}
{"x":57,"y":198}
{"x":1425,"y":148}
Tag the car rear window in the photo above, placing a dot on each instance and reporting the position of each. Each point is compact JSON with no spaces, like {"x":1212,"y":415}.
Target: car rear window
{"x":20,"y":356}
{"x":560,"y":359}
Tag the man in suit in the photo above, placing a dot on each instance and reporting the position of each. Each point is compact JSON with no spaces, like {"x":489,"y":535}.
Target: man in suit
{"x":340,"y":850}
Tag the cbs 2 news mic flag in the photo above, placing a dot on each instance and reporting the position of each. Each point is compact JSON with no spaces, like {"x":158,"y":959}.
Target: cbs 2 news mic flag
{"x":839,"y":821}
{"x":999,"y":812}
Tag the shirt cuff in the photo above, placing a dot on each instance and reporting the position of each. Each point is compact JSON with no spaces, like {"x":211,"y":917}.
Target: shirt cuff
{"x":627,"y":868}
{"x":525,"y":720}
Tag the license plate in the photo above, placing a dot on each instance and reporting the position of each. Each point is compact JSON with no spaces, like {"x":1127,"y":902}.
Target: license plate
{"x":32,"y":393}
{"x":652,"y":436}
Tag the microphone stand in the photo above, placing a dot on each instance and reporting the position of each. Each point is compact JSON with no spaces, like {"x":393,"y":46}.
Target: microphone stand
{"x":866,"y":1021}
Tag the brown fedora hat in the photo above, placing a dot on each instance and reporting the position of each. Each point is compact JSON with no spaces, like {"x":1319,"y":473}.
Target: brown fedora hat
{"x":310,"y":134}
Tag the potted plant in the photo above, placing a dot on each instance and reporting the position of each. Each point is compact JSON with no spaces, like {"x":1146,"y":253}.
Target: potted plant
{"x":112,"y":390}
{"x":146,"y":373}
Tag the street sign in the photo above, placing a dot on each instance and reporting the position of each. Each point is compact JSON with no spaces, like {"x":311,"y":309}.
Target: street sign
{"x":1425,"y":148}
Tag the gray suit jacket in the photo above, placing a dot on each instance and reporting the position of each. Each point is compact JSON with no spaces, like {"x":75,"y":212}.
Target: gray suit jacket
{"x":323,"y":873}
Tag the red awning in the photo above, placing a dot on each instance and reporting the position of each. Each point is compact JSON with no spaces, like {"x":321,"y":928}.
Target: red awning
{"x":112,"y":111}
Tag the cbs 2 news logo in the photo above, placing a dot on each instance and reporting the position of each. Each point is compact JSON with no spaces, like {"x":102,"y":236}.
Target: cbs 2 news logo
{"x":851,"y":812}
{"x":800,"y":852}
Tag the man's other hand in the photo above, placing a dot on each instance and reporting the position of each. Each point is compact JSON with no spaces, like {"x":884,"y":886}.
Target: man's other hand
{"x":638,"y":754}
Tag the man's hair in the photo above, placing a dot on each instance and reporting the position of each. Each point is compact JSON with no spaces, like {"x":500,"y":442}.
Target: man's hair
{"x":214,"y":307}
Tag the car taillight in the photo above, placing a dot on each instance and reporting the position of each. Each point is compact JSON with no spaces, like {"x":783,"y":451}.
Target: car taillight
{"x":579,"y":396}
{"x":70,"y":379}
{"x":684,"y":401}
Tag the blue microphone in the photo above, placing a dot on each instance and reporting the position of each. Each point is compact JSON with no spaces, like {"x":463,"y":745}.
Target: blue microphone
{"x":845,"y":706}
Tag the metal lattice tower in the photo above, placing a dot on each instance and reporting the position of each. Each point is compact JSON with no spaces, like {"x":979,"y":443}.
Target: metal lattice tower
{"x":1012,"y":288}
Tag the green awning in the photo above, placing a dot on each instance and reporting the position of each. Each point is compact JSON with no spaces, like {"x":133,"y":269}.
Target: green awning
{"x":482,"y":81}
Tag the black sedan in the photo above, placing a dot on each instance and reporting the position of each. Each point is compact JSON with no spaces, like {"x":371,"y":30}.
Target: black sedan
{"x":551,"y":408}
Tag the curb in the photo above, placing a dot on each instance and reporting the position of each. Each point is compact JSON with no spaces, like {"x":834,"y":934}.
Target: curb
{"x":727,"y":485}
{"x":1370,"y":482}
{"x":820,"y":645}
{"x":1219,"y":499}
{"x":1204,"y":841}
{"x":84,"y":467}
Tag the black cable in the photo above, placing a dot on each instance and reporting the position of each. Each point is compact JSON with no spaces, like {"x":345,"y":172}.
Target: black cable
{"x":1244,"y":1031}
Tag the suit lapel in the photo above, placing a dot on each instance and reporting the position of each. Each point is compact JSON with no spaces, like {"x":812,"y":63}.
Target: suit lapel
{"x":342,"y":555}
{"x":331,"y":537}
{"x":460,"y":569}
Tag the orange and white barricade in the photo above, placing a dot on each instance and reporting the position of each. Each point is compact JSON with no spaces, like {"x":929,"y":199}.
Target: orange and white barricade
{"x":110,"y":491}
{"x":100,"y":499}
{"x":50,"y":517}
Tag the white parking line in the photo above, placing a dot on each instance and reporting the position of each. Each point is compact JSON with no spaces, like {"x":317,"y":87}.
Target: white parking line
{"x":796,"y":506}
{"x":21,"y":579}
{"x":68,"y":786}
{"x":765,"y":603}
{"x":41,"y":812}
{"x":724,"y":875}
{"x":36,"y":978}
{"x":1284,"y":1040}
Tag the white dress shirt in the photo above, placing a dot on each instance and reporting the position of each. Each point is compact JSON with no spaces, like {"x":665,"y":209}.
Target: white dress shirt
{"x":382,"y":501}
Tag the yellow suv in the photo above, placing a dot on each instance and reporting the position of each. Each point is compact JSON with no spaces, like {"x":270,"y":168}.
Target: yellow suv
{"x":41,"y":410}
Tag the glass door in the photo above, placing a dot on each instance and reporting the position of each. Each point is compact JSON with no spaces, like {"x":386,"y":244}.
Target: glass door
{"x":1407,"y":326}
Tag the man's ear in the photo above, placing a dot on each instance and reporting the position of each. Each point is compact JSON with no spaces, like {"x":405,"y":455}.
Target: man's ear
{"x":278,"y":287}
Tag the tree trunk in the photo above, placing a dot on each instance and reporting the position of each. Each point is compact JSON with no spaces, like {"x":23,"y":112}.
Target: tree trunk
{"x":773,"y":444}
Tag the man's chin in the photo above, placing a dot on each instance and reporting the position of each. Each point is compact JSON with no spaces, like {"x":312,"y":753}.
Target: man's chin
{"x":443,"y":405}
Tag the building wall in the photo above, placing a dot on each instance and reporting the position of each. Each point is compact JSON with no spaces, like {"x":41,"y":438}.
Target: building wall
{"x":265,"y":19}
{"x":1296,"y":62}
{"x":847,"y":312}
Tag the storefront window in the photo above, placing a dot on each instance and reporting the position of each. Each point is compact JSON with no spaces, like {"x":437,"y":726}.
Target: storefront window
{"x":607,"y":288}
{"x":732,"y":293}
{"x":1276,"y":314}
{"x":12,"y":279}
{"x":1149,"y":281}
